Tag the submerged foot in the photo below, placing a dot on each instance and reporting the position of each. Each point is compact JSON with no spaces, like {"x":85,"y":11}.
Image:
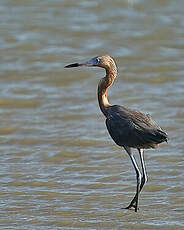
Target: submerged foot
{"x":132,"y":205}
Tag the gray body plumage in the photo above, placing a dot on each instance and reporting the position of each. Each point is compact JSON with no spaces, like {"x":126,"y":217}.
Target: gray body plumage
{"x":131,"y":128}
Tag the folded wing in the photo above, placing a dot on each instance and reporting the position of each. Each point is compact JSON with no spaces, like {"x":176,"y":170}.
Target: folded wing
{"x":133,"y":129}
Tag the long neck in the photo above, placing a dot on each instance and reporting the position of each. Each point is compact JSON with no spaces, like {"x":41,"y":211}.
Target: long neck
{"x":103,"y":86}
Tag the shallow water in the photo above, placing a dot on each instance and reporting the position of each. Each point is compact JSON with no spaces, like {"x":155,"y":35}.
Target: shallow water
{"x":59,"y":167}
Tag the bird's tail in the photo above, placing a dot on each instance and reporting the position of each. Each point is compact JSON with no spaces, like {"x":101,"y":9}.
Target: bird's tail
{"x":159,"y":136}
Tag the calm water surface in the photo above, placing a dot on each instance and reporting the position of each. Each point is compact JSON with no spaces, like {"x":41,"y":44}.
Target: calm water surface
{"x":59,"y":169}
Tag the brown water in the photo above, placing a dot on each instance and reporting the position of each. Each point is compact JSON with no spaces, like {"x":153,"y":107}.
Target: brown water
{"x":59,"y":169}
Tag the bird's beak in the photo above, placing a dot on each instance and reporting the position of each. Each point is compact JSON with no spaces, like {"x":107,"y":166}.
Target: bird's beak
{"x":91,"y":62}
{"x":72,"y":65}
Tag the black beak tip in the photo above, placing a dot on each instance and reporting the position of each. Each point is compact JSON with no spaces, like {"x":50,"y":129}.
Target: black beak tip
{"x":72,"y":65}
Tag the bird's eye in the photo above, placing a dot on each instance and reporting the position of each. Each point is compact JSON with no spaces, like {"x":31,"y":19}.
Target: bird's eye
{"x":98,"y":60}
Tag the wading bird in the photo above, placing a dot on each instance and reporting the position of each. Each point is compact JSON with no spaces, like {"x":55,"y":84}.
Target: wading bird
{"x":127,"y":127}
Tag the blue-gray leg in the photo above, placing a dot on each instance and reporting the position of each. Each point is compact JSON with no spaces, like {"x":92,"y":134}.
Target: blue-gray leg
{"x":143,"y":179}
{"x":134,"y":202}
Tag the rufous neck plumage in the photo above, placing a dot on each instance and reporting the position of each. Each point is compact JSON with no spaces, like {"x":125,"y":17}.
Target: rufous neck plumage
{"x":104,"y":84}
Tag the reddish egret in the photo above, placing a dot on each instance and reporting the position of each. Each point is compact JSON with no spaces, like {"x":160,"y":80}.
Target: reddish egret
{"x":127,"y":127}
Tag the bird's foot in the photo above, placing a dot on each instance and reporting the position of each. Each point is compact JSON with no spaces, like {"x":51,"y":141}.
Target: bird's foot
{"x":132,"y":205}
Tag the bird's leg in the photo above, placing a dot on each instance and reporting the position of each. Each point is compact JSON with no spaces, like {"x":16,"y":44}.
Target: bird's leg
{"x":134,"y":202}
{"x":144,"y":176}
{"x":143,"y":179}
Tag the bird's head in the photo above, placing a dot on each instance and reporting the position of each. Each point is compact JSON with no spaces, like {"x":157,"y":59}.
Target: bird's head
{"x":105,"y":62}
